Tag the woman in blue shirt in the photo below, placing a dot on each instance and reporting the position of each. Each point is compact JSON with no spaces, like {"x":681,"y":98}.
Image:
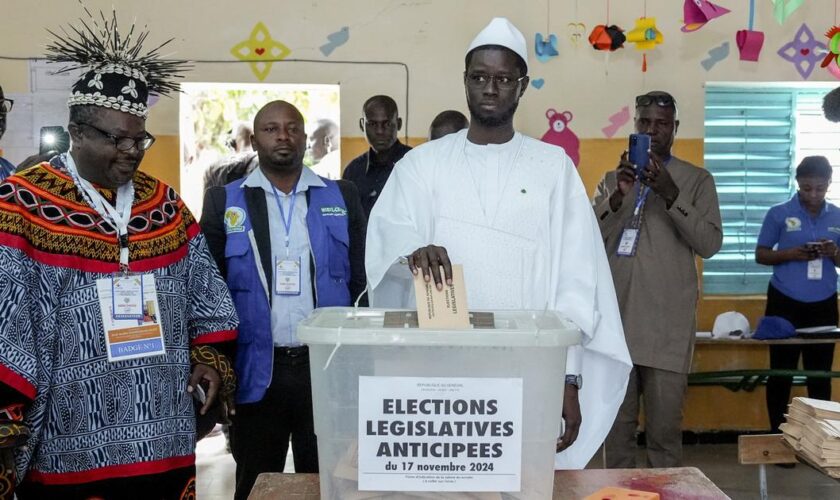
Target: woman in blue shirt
{"x":799,"y":239}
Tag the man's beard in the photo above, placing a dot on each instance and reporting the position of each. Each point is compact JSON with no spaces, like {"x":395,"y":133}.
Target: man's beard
{"x":495,"y":119}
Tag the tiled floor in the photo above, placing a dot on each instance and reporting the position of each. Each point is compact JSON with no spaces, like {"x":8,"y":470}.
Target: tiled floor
{"x":718,"y":461}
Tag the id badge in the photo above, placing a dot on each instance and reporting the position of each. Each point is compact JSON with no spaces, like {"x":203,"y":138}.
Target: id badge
{"x":815,"y":269}
{"x":127,"y":296}
{"x":627,"y":245}
{"x":287,"y":276}
{"x":136,"y":337}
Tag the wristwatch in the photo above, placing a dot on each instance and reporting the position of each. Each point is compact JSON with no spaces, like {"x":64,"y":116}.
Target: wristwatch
{"x":575,"y":380}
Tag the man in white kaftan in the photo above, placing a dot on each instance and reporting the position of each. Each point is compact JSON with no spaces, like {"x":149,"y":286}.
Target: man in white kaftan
{"x":515,"y":213}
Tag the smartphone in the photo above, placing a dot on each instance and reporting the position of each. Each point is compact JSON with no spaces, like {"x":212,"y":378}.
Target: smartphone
{"x":199,"y":394}
{"x":639,"y":152}
{"x":54,"y":138}
{"x":814,"y":246}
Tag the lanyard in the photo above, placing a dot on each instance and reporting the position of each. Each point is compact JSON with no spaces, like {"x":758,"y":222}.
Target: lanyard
{"x":118,"y":217}
{"x":641,"y":196}
{"x":287,"y":223}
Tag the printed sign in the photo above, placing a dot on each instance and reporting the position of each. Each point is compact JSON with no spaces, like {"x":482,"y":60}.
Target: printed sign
{"x":440,"y":434}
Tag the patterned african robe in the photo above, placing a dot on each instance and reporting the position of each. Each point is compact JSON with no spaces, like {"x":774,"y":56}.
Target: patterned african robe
{"x":90,"y":419}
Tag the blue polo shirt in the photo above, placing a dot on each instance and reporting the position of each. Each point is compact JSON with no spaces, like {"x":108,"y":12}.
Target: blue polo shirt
{"x":790,"y":225}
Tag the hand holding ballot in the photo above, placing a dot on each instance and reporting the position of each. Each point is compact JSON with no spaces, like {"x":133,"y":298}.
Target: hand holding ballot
{"x":428,"y":260}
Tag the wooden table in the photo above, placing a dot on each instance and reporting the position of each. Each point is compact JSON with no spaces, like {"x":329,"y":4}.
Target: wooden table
{"x":749,"y":379}
{"x":671,"y":484}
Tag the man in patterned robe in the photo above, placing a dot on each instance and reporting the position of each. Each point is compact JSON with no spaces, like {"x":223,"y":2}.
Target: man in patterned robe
{"x":80,"y":417}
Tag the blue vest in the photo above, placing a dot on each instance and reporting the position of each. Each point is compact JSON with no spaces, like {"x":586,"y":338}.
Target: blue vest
{"x":329,"y":239}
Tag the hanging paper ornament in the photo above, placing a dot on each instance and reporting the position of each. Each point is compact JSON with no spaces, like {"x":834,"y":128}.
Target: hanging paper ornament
{"x":605,"y":37}
{"x":833,"y":68}
{"x":576,"y":32}
{"x":646,"y":36}
{"x":696,"y":13}
{"x":749,"y":42}
{"x":546,"y":48}
{"x":833,"y":36}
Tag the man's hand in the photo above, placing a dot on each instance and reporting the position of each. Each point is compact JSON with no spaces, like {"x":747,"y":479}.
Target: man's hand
{"x":428,"y":260}
{"x":208,"y":377}
{"x":34,"y":160}
{"x":571,"y":414}
{"x":625,"y":176}
{"x":660,"y":181}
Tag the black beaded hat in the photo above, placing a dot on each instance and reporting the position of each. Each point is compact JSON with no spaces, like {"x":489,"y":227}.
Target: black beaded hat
{"x":117,"y":76}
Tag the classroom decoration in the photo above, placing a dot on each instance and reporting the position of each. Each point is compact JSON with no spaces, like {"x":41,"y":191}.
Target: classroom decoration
{"x":782,"y":9}
{"x":561,"y":135}
{"x":576,"y":32}
{"x":335,"y":40}
{"x":696,"y":13}
{"x":834,"y":69}
{"x":605,"y":37}
{"x":716,"y":55}
{"x":261,"y":51}
{"x":617,"y":120}
{"x":833,"y":48}
{"x":646,"y":36}
{"x":803,"y":51}
{"x":538,"y":83}
{"x":749,"y":41}
{"x":545,"y":49}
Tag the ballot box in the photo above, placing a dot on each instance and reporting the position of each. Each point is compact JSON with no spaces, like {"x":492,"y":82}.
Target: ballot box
{"x":403,"y":412}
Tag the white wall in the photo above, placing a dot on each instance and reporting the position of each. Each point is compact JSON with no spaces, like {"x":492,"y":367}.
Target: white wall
{"x":430,"y":36}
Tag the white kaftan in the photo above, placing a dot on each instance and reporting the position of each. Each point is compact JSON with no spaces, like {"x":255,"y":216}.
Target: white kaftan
{"x":518,"y":218}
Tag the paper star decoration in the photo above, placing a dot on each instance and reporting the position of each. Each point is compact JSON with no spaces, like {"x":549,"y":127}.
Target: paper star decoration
{"x":803,"y":51}
{"x":261,"y":51}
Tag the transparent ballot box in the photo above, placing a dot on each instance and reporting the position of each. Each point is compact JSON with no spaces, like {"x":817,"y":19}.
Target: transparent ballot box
{"x":404,"y":412}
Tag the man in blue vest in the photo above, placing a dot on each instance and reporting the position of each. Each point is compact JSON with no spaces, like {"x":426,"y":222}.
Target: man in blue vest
{"x":286,"y":241}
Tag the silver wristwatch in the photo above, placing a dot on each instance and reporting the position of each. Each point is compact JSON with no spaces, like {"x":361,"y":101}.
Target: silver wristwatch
{"x":575,"y":380}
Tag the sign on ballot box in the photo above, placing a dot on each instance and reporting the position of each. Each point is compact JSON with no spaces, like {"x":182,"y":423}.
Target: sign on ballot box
{"x":440,"y":434}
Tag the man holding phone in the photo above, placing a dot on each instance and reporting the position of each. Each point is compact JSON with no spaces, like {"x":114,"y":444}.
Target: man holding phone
{"x":656,"y":216}
{"x":7,"y":168}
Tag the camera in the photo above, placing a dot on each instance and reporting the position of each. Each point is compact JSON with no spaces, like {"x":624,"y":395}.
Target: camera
{"x":639,"y":152}
{"x":54,"y":138}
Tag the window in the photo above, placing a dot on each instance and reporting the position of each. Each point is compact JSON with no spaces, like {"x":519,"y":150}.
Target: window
{"x":755,"y":135}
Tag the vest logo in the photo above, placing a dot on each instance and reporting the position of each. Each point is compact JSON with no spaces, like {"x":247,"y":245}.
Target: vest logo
{"x":834,"y":229}
{"x":333,"y":212}
{"x":234,"y":220}
{"x":793,"y":224}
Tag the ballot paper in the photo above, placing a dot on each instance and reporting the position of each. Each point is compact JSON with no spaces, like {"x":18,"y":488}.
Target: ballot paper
{"x":442,"y":309}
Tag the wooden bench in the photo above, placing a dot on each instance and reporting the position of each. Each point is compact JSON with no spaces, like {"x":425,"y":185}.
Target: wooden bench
{"x":763,"y":449}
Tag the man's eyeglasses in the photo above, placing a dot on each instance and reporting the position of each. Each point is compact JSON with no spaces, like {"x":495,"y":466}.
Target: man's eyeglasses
{"x":125,"y":143}
{"x":480,"y":80}
{"x":6,"y":105}
{"x":663,"y":101}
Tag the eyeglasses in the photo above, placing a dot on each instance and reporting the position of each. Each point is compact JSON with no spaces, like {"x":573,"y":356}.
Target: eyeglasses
{"x":479,"y":81}
{"x":6,"y":105}
{"x":663,"y":101}
{"x":125,"y":143}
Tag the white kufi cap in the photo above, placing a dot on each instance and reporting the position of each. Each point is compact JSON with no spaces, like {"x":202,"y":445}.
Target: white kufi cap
{"x":502,"y":32}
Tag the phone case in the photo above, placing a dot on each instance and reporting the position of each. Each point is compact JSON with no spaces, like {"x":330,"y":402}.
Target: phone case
{"x":638,"y":151}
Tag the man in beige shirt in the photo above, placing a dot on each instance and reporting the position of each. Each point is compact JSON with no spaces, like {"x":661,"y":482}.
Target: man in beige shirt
{"x":654,"y":225}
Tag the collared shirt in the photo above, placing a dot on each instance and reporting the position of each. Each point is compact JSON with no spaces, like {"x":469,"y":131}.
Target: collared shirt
{"x":790,"y":225}
{"x":370,"y":176}
{"x":7,"y":168}
{"x":288,"y":310}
